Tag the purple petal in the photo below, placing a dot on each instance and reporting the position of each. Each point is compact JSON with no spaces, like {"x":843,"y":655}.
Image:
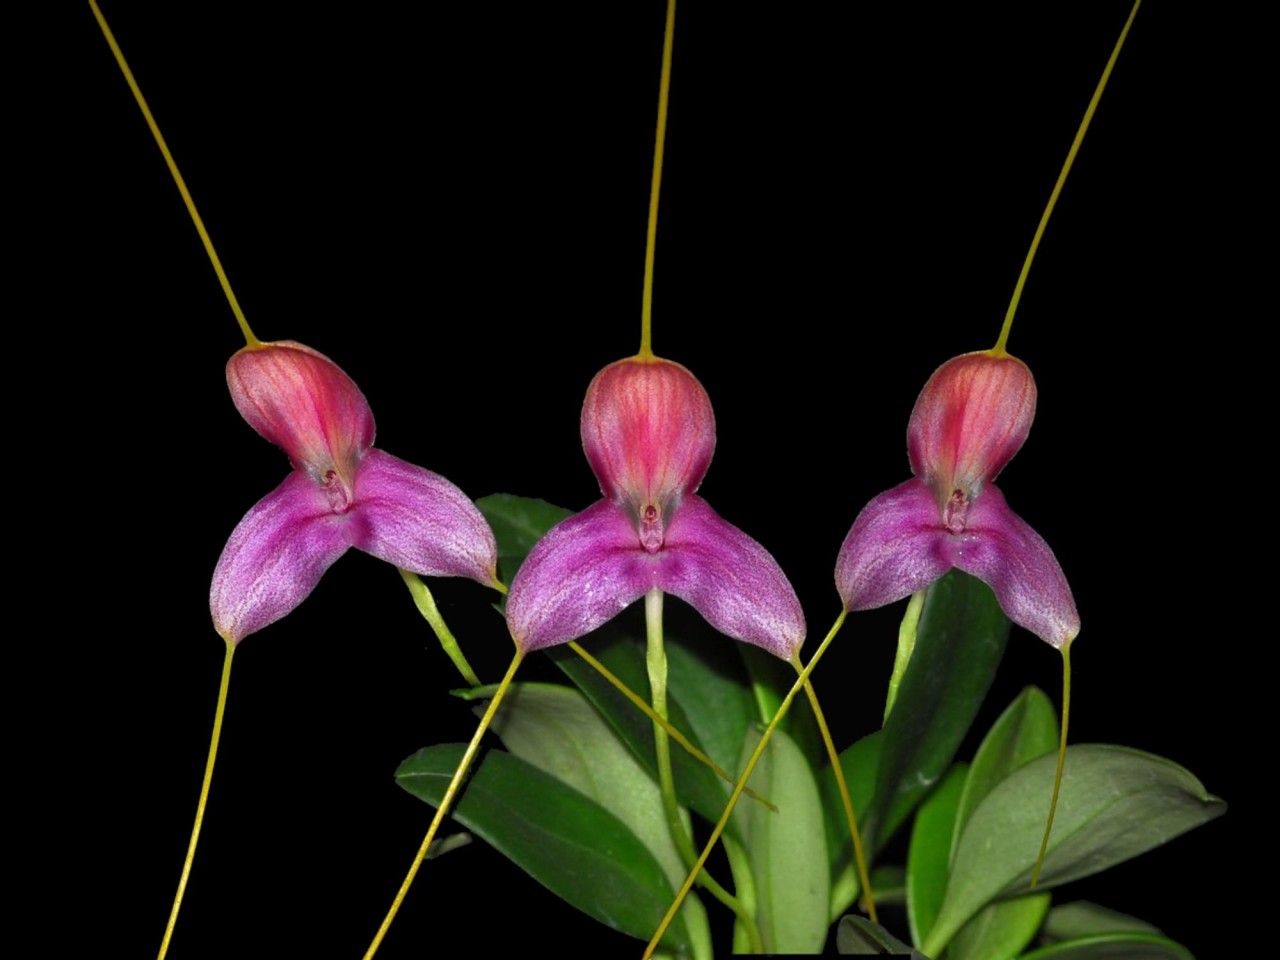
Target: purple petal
{"x":275,"y":557}
{"x":584,"y":572}
{"x":897,"y":546}
{"x":730,"y":579}
{"x":1000,"y":548}
{"x":420,"y":521}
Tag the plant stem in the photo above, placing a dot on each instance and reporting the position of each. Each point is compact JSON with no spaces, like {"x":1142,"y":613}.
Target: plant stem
{"x":204,"y":798}
{"x":656,"y":660}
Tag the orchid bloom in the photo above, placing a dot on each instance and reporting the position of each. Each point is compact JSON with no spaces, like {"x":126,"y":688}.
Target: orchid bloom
{"x":970,"y":419}
{"x":342,"y":493}
{"x":649,"y":433}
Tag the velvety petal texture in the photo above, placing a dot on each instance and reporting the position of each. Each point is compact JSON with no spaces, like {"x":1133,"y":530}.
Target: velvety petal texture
{"x":588,"y":569}
{"x":342,"y":494}
{"x":275,"y":557}
{"x":1000,"y":548}
{"x":731,"y":580}
{"x":583,"y":573}
{"x":970,"y":419}
{"x":418,"y":520}
{"x":892,"y":549}
{"x":898,"y":546}
{"x":649,"y":433}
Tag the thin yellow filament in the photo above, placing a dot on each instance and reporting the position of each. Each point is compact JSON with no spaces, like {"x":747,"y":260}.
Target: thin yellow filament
{"x":999,"y":348}
{"x":655,"y":187}
{"x":249,"y":337}
{"x":445,"y":802}
{"x":1062,"y":759}
{"x":204,"y":798}
{"x":859,"y":856}
{"x":737,"y":790}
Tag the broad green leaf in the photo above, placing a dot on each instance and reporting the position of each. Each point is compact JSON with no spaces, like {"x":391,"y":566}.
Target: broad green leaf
{"x":744,"y":888}
{"x":787,"y":850}
{"x":959,"y":643}
{"x":859,"y":765}
{"x":555,"y":729}
{"x":929,"y":853}
{"x":1114,"y":946}
{"x":771,"y":679}
{"x":518,"y":523}
{"x":1000,"y":930}
{"x":1115,"y":804}
{"x":1026,"y":730}
{"x":563,"y":839}
{"x":707,"y":681}
{"x":620,"y":647}
{"x":859,"y":937}
{"x":1071,"y":921}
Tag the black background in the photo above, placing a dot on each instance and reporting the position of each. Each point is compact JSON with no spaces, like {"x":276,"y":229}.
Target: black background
{"x":452,"y":207}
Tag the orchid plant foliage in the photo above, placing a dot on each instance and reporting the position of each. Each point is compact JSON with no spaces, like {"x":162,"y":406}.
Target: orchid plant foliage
{"x":580,"y":795}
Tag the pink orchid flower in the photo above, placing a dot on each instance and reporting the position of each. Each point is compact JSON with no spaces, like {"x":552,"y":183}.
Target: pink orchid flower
{"x":970,"y":419}
{"x":342,"y":493}
{"x":649,"y":433}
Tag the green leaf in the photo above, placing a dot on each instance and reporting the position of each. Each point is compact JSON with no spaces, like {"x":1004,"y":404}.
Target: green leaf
{"x":563,"y":839}
{"x":1115,"y":804}
{"x":787,"y":850}
{"x":1026,"y":730}
{"x":1000,"y":930}
{"x":707,"y":680}
{"x":518,"y":523}
{"x":1114,"y":946}
{"x":620,"y":647}
{"x":929,"y":853}
{"x":555,"y":729}
{"x":771,"y":679}
{"x":1071,"y":921}
{"x":959,"y":643}
{"x":857,"y":936}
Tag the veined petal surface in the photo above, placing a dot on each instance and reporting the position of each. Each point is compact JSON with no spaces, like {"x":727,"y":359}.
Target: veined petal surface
{"x":584,"y":572}
{"x":893,"y":549}
{"x":418,"y":520}
{"x":1000,"y":548}
{"x":730,"y":579}
{"x":275,"y":557}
